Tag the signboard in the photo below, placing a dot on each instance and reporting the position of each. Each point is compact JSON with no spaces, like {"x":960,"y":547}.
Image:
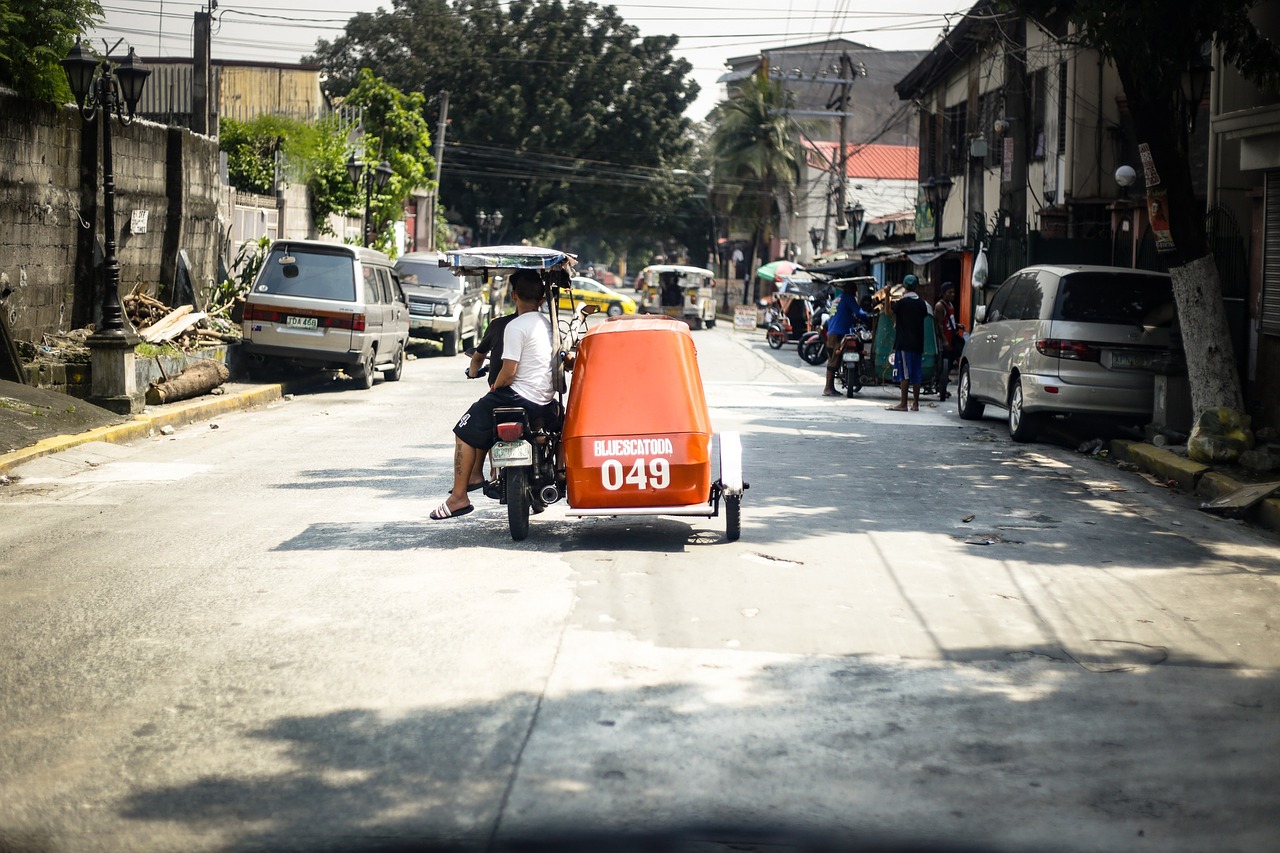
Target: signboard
{"x":138,"y":222}
{"x":744,"y":318}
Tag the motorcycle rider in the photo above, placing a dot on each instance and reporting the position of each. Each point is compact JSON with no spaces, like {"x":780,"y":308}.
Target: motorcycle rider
{"x":848,"y":313}
{"x":524,"y":380}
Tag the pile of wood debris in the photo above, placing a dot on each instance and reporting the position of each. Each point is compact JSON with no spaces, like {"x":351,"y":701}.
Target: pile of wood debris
{"x":182,"y":327}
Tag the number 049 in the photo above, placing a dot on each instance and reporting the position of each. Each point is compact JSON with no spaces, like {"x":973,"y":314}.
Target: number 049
{"x":644,"y":474}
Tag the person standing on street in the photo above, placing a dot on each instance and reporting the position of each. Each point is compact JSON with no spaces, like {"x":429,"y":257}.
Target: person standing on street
{"x":840,"y":324}
{"x":909,"y":314}
{"x":949,"y":340}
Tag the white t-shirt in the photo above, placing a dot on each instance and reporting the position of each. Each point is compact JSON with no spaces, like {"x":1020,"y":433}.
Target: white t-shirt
{"x":527,"y":340}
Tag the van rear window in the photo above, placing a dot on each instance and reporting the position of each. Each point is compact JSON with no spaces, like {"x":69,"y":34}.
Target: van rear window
{"x":1115,"y":298}
{"x":316,"y":275}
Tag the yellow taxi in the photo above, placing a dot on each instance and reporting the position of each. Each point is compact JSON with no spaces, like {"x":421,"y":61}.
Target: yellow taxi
{"x":588,"y":291}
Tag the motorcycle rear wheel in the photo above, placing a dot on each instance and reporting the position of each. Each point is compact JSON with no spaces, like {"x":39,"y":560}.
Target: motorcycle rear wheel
{"x":518,"y":503}
{"x":776,"y":336}
{"x":852,"y":380}
{"x":813,"y":351}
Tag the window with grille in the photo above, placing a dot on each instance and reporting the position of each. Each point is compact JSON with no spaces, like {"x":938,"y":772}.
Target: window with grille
{"x":1271,"y":257}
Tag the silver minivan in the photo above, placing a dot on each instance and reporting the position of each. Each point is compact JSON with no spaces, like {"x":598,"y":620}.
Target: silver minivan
{"x":328,"y":305}
{"x":1068,"y":340}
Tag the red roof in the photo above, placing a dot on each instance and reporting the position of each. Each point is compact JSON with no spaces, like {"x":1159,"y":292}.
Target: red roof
{"x":889,"y":162}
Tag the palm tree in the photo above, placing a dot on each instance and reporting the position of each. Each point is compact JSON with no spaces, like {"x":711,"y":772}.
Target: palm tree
{"x":757,"y":159}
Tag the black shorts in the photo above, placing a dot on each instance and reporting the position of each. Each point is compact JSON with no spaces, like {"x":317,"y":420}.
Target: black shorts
{"x":476,"y":426}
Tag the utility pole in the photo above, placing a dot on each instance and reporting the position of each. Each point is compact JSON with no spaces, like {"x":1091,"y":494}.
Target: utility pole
{"x":201,"y":76}
{"x":435,"y":191}
{"x":842,"y":104}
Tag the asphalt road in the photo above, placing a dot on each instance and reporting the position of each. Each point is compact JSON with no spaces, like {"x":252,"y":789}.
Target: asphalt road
{"x":249,"y":635}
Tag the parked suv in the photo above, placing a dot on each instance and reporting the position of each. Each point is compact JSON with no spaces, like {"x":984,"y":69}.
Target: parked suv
{"x":442,"y":306}
{"x":328,"y":305}
{"x":1069,"y":340}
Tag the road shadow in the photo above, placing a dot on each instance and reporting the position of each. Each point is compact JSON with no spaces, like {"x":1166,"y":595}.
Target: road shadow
{"x":812,"y":754}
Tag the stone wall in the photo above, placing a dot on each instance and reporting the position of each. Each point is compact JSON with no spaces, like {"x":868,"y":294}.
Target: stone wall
{"x":50,"y":194}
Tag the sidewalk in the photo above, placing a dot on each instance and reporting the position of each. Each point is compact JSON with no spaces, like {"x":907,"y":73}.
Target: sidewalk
{"x":36,"y":422}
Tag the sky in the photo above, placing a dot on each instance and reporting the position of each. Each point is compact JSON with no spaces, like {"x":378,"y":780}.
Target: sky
{"x":710,"y":31}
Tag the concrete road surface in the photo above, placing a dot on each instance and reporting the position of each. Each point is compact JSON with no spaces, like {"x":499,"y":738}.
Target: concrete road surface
{"x":250,"y":636}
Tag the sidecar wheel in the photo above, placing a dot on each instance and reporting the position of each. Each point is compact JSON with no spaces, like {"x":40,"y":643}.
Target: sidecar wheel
{"x":733,"y":517}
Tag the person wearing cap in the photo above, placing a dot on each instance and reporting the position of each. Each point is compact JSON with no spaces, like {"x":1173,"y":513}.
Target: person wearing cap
{"x":909,"y":315}
{"x":950,"y":341}
{"x":841,"y":323}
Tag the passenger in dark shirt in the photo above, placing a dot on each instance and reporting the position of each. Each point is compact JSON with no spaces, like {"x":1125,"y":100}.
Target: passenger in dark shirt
{"x":909,"y":315}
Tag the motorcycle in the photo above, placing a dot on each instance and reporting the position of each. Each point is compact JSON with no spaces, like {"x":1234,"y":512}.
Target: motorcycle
{"x":854,"y":364}
{"x":813,"y":343}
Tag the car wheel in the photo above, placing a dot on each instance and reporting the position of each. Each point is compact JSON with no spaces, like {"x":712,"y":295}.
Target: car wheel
{"x":364,"y":373}
{"x":450,"y":343}
{"x":711,"y":324}
{"x":1022,"y":426}
{"x":397,"y":367}
{"x":970,"y":409}
{"x":615,"y":309}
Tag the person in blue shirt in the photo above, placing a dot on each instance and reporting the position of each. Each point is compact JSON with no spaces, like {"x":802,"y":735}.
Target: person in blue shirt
{"x":848,"y":313}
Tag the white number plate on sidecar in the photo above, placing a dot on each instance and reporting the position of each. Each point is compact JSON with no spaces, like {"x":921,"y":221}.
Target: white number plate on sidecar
{"x":850,"y":357}
{"x":505,"y":453}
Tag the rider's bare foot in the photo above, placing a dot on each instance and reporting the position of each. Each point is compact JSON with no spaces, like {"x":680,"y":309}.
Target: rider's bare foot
{"x":898,"y":408}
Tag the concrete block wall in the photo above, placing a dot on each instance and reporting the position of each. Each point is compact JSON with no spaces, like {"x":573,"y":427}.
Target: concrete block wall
{"x":50,"y":186}
{"x":39,"y":214}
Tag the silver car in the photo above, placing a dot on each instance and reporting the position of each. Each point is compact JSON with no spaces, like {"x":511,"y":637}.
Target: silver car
{"x":1069,"y":340}
{"x":443,"y":307}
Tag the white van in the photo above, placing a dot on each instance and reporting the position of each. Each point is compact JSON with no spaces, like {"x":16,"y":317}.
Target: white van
{"x":328,"y":305}
{"x":1069,"y":340}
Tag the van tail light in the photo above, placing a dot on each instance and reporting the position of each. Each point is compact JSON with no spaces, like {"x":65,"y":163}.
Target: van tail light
{"x":1074,"y":350}
{"x":262,"y":315}
{"x":693,"y":298}
{"x":354,"y":322}
{"x":510,"y":431}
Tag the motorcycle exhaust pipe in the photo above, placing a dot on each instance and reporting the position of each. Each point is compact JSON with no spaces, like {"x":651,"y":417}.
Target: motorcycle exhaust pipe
{"x":549,"y":494}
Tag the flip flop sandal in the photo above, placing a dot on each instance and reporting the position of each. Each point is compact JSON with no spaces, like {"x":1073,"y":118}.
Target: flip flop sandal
{"x":492,"y":490}
{"x":442,"y":512}
{"x":473,"y":487}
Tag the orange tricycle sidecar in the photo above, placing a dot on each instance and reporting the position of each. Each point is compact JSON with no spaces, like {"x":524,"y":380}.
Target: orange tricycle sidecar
{"x":637,"y":433}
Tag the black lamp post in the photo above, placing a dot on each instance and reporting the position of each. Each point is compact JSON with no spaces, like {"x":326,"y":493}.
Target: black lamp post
{"x":489,"y":222}
{"x":103,"y":85}
{"x":853,"y":215}
{"x":370,"y":177}
{"x":815,"y":237}
{"x":936,"y":191}
{"x":1195,"y":82}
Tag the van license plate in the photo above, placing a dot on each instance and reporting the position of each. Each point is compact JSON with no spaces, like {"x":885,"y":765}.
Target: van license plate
{"x":505,"y":453}
{"x":302,"y":322}
{"x":1135,"y":360}
{"x":850,"y":357}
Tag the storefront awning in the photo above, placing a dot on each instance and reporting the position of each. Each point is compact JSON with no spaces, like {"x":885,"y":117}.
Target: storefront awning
{"x":918,"y":253}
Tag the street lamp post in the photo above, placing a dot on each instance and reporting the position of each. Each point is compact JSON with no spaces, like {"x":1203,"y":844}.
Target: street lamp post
{"x":489,"y":222}
{"x":854,"y":215}
{"x":936,"y":191}
{"x":379,"y":176}
{"x":815,"y":237}
{"x":102,"y":86}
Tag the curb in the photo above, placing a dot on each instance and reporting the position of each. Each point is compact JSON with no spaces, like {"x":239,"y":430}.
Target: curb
{"x":1194,"y":478}
{"x":147,"y":425}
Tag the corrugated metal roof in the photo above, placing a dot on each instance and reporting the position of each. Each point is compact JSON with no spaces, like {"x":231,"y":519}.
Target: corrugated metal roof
{"x":890,"y":162}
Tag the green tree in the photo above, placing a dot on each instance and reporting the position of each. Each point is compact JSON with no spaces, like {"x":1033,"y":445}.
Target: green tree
{"x":34,"y":36}
{"x":395,"y":131}
{"x":757,"y":159}
{"x":1151,"y":49}
{"x":561,"y":115}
